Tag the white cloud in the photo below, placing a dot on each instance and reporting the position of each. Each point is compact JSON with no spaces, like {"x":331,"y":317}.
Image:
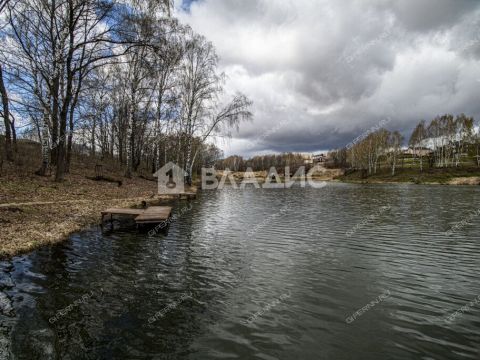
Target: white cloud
{"x":332,"y":69}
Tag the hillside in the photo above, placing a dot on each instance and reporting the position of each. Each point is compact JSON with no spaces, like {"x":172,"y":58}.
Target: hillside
{"x":35,"y":210}
{"x":444,"y":176}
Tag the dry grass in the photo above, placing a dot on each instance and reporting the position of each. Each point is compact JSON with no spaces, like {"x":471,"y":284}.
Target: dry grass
{"x":474,"y":180}
{"x":55,"y":210}
{"x":25,"y":228}
{"x":445,"y":176}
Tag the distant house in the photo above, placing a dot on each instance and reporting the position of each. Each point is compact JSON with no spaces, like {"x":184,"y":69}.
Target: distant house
{"x":320,"y":159}
{"x":417,"y":151}
{"x":307,"y":159}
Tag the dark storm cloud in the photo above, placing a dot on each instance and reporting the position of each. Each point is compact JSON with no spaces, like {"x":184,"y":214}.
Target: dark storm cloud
{"x":425,"y":15}
{"x":330,"y":70}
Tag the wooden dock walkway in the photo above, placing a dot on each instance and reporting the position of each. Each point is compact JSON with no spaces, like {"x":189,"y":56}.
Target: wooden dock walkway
{"x":182,"y":196}
{"x":150,"y":215}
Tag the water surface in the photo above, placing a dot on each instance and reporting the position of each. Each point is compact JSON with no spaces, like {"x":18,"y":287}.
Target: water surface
{"x":260,"y":274}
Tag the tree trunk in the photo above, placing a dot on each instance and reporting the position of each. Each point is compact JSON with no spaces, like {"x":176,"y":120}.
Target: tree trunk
{"x":93,"y":149}
{"x":61,"y":149}
{"x":14,"y":136}
{"x":69,"y":141}
{"x":71,"y":125}
{"x":129,"y":143}
{"x":394,"y":162}
{"x":112,"y":142}
{"x":67,"y":101}
{"x":45,"y":148}
{"x":189,"y":163}
{"x":478,"y":156}
{"x":54,"y":120}
{"x":191,"y":166}
{"x":6,"y":118}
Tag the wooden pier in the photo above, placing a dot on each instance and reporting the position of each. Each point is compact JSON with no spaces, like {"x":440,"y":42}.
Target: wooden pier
{"x":150,"y":215}
{"x":181,"y":196}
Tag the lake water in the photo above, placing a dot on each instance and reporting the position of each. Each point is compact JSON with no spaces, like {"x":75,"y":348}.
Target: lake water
{"x":342,"y":272}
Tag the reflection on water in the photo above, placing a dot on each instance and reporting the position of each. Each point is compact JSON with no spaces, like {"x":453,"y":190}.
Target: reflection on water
{"x":260,"y":274}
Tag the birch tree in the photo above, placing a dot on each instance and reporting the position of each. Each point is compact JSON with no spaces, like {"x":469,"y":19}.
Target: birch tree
{"x":200,"y":85}
{"x":416,"y":141}
{"x":121,"y":77}
{"x":463,"y":135}
{"x":6,"y":118}
{"x":395,"y":146}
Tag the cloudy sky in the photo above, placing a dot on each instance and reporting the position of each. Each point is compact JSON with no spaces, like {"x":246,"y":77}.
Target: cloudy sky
{"x":322,"y":72}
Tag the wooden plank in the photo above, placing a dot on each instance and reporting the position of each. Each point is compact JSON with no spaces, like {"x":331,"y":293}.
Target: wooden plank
{"x":150,"y":221}
{"x":158,"y":210}
{"x":120,"y":211}
{"x":180,"y":195}
{"x":151,"y":215}
{"x":160,"y":217}
{"x":154,"y":214}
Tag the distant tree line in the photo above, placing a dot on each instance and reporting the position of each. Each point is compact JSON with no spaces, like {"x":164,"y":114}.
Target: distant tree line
{"x":262,"y":162}
{"x":123,"y":78}
{"x":441,"y":143}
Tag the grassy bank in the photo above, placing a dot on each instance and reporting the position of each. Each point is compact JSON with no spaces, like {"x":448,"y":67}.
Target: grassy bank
{"x":36,"y":211}
{"x":445,"y":176}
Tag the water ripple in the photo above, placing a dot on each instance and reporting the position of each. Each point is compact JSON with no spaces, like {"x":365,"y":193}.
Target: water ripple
{"x":270,"y":274}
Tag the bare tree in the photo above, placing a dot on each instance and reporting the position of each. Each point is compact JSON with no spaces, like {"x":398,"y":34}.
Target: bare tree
{"x":227,"y":118}
{"x":6,"y":118}
{"x":200,"y":85}
{"x":3,"y":4}
{"x":61,"y":41}
{"x":463,"y":133}
{"x":476,"y":140}
{"x":395,"y":146}
{"x":122,"y":78}
{"x":416,"y":141}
